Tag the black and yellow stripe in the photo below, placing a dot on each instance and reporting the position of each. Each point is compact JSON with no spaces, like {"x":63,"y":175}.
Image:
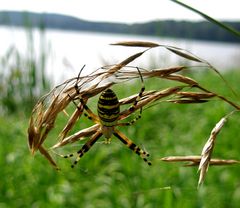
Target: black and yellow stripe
{"x":132,"y":146}
{"x":108,"y":108}
{"x":86,"y":147}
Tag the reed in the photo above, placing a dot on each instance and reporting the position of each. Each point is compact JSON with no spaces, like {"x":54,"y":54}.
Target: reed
{"x":23,"y":77}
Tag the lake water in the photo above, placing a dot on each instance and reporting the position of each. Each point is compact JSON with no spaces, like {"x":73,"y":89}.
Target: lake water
{"x":69,"y":51}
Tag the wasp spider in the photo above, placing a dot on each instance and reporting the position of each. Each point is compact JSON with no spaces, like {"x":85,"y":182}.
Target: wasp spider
{"x":108,"y":109}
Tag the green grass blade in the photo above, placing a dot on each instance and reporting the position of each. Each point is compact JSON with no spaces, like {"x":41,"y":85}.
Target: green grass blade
{"x":210,"y":19}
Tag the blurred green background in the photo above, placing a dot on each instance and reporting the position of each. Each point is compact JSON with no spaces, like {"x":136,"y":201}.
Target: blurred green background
{"x":113,"y":176}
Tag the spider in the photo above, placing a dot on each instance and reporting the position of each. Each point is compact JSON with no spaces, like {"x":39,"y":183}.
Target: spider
{"x":108,"y":109}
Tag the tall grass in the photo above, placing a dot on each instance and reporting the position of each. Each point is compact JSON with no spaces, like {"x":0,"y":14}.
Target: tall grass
{"x":23,"y":76}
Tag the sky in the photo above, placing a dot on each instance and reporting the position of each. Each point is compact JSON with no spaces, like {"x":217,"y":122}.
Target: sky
{"x":129,"y":11}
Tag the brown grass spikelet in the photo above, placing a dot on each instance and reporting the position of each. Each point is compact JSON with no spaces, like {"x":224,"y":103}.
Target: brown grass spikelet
{"x":45,"y":153}
{"x":33,"y":136}
{"x":194,"y":160}
{"x":68,"y":97}
{"x":191,"y":97}
{"x":71,"y":122}
{"x":208,"y":149}
{"x":80,"y":135}
{"x":196,"y":95}
{"x":184,"y":53}
{"x":136,"y":44}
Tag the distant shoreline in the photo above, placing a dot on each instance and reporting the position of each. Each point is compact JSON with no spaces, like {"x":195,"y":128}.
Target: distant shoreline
{"x":168,"y":28}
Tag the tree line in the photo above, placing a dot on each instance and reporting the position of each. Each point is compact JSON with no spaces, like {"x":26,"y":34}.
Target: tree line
{"x":201,"y":30}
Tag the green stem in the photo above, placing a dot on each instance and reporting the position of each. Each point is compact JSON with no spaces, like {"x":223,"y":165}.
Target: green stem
{"x":224,"y":26}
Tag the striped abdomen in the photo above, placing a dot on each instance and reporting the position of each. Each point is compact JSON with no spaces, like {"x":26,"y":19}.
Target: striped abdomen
{"x":108,"y":108}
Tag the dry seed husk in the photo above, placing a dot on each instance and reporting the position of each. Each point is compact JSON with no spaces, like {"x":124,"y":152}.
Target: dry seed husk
{"x":136,"y":44}
{"x":195,"y":160}
{"x":208,"y":149}
{"x":80,"y":135}
{"x":45,"y":113}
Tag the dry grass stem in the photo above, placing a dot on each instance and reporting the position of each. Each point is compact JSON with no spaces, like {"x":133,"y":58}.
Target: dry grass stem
{"x":178,"y":51}
{"x":64,"y":98}
{"x":235,"y":105}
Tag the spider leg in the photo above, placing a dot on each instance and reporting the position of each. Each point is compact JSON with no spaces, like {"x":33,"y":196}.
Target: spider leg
{"x":132,"y":121}
{"x":132,"y":146}
{"x":77,"y":90}
{"x":90,"y":115}
{"x":133,"y":106}
{"x":84,"y":148}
